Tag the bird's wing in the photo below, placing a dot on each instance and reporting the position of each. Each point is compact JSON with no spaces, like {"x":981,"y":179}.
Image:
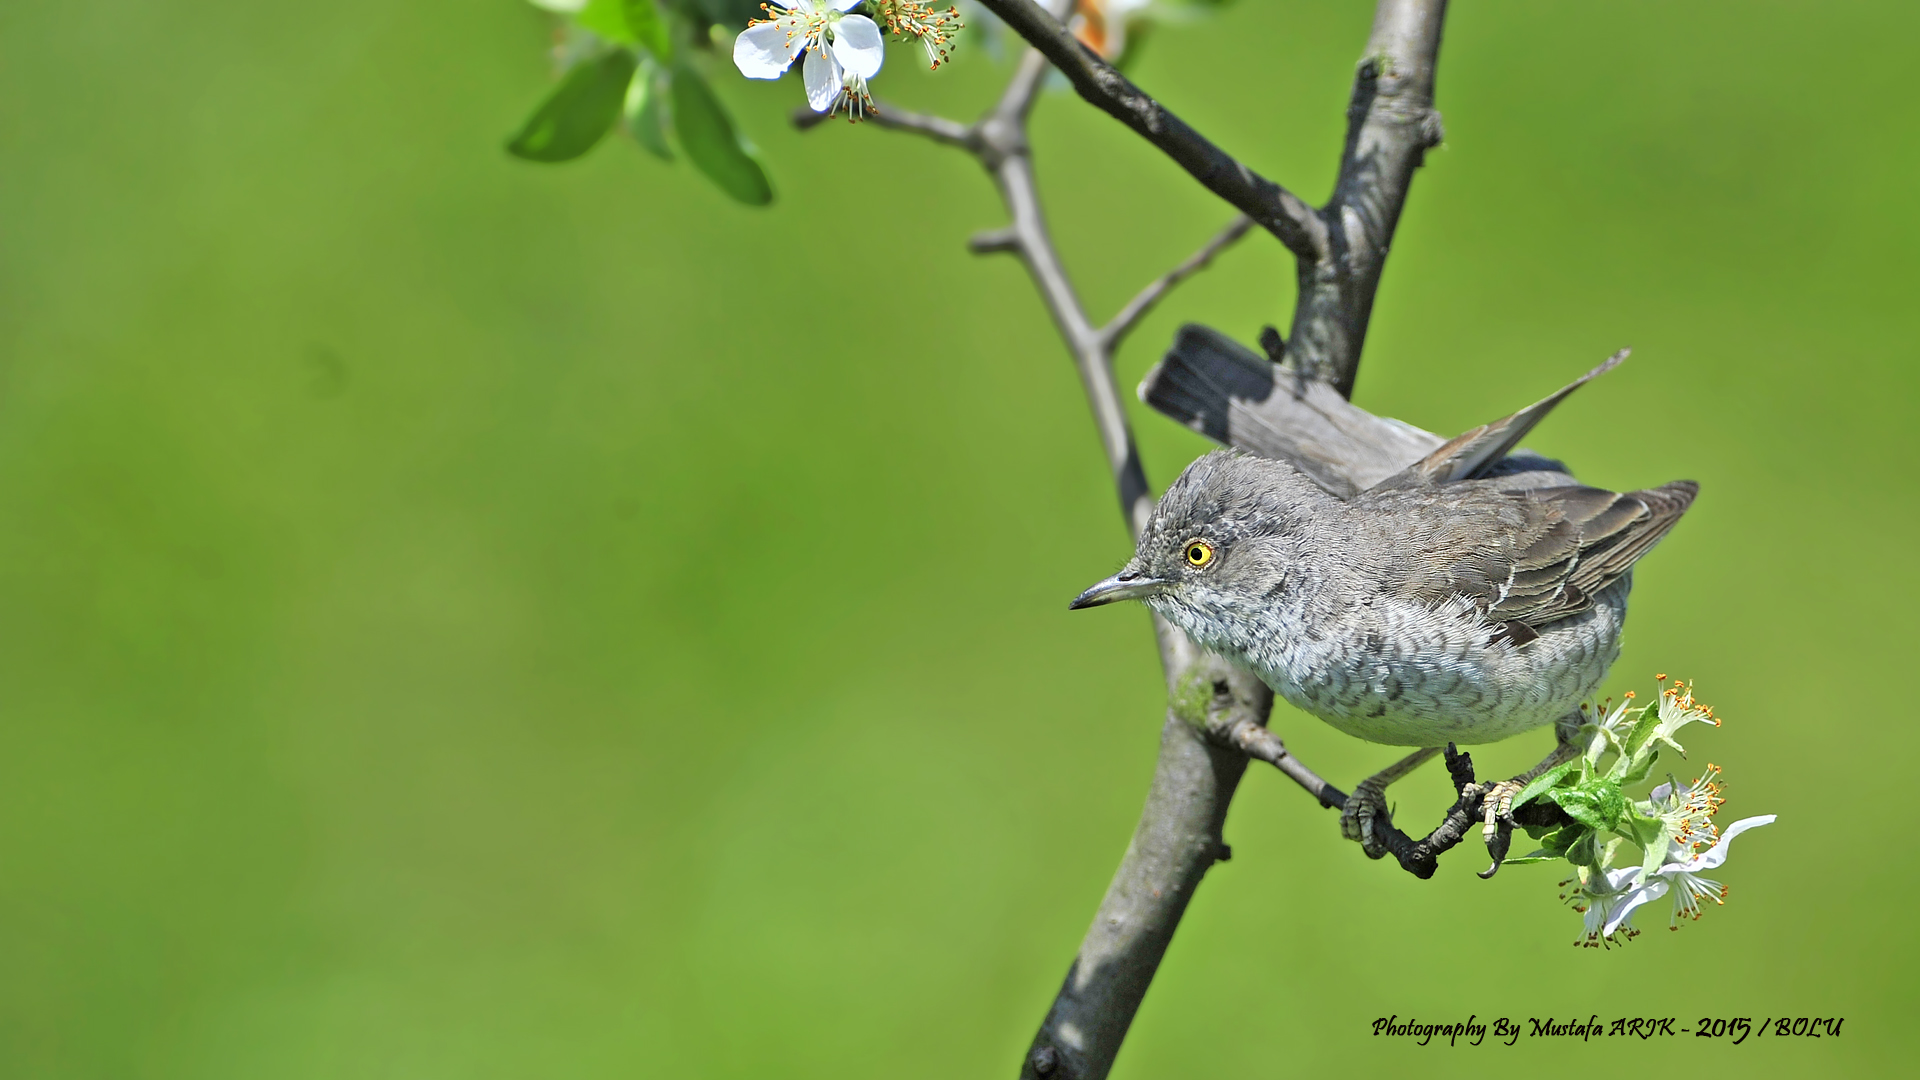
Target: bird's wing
{"x":1473,"y":453}
{"x":1530,"y":558}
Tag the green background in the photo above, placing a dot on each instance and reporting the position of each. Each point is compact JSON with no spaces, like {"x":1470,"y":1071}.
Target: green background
{"x":463,"y":618}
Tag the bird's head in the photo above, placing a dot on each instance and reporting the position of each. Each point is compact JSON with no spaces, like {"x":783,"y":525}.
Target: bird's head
{"x":1219,"y":545}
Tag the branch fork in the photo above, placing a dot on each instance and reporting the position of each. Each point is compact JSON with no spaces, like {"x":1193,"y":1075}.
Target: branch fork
{"x":1218,"y":713}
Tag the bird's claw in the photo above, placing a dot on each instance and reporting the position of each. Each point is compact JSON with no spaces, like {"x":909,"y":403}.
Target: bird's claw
{"x":1367,"y":804}
{"x":1498,"y":806}
{"x":1497,"y":824}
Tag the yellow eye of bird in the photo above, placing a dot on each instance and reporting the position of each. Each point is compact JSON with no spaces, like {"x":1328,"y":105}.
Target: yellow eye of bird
{"x":1199,"y":553}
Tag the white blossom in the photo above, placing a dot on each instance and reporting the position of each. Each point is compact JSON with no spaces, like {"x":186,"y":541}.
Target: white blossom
{"x":1683,"y":874}
{"x":843,"y":52}
{"x":1687,"y":815}
{"x":1605,"y":902}
{"x":1678,"y":709}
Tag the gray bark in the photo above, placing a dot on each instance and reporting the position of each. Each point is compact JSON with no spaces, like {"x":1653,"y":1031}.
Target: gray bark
{"x":1391,"y":123}
{"x":1217,"y":713}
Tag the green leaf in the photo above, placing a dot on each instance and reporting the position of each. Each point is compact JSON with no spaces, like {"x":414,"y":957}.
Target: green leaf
{"x":1537,"y":856}
{"x":1612,"y":804}
{"x":649,"y":28}
{"x":1654,"y":854}
{"x":1598,"y":805}
{"x":1557,"y":843}
{"x":1642,"y":728}
{"x":607,"y":18}
{"x":629,"y":22}
{"x":1579,"y":806}
{"x":1634,"y":748}
{"x":1542,"y":782}
{"x":578,"y":111}
{"x":1645,"y":831}
{"x":1583,"y":851}
{"x":644,"y":113}
{"x":1639,"y":772}
{"x":707,"y":135}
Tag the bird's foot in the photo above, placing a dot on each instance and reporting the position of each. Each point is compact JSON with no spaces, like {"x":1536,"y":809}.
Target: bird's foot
{"x":1497,"y":805}
{"x":1497,"y":823}
{"x":1366,"y":805}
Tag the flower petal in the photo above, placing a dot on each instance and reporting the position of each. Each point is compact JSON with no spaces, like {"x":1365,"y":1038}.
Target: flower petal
{"x":1619,"y":879}
{"x":1623,"y":910}
{"x":821,"y":73}
{"x":1717,"y":854}
{"x":857,"y":45}
{"x":841,"y":5}
{"x":766,"y":51}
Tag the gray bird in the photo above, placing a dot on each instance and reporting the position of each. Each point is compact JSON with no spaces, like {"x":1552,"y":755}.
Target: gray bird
{"x":1445,"y":603}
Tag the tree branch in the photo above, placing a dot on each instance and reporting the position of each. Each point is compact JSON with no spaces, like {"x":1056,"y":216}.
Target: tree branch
{"x":1273,"y":207}
{"x":1177,"y":840}
{"x":1341,"y":248}
{"x":1137,"y":308}
{"x":1391,"y":123}
{"x":1258,"y":741}
{"x":1218,"y":713}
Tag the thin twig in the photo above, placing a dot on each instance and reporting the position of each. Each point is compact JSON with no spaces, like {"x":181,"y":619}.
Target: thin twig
{"x":1137,"y":308}
{"x":1275,"y":208}
{"x":1257,"y":741}
{"x":994,"y":241}
{"x":938,"y":128}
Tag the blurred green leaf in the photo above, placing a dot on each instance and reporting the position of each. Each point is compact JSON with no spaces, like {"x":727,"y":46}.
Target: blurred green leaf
{"x":607,"y":18}
{"x":643,"y":110}
{"x":707,"y":135}
{"x":732,"y":14}
{"x":628,"y":22}
{"x":649,"y":28}
{"x":578,"y":112}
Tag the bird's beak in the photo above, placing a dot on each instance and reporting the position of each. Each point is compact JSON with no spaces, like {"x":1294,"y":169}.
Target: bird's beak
{"x":1128,"y":584}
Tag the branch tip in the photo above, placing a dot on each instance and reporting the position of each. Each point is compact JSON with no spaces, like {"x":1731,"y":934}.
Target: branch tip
{"x":993,"y":241}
